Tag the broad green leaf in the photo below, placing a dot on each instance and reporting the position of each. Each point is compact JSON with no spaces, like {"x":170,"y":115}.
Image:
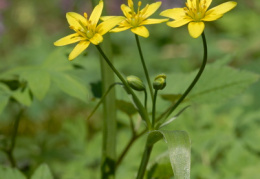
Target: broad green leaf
{"x":42,"y":172}
{"x":38,"y":81}
{"x":58,"y":61}
{"x":70,"y":85}
{"x":126,"y":107}
{"x":179,"y":148}
{"x":10,"y":173}
{"x":23,"y":96}
{"x":216,"y":84}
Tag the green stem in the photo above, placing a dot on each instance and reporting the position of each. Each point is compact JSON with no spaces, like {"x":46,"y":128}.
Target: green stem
{"x":128,"y":146}
{"x":145,"y":99}
{"x":154,"y":108}
{"x":142,"y":111}
{"x":102,"y":99}
{"x":144,"y":65}
{"x":13,"y":139}
{"x":144,"y":162}
{"x":193,"y":83}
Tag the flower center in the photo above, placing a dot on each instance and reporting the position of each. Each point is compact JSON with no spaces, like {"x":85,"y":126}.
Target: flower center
{"x":196,"y":10}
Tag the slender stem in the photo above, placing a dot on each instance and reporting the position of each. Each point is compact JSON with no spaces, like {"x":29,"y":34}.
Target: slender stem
{"x":154,"y":108}
{"x":128,"y":146}
{"x":193,"y":83}
{"x":145,"y":99}
{"x":142,"y":111}
{"x":144,"y":162}
{"x":13,"y":139}
{"x":102,"y":99}
{"x":144,"y":65}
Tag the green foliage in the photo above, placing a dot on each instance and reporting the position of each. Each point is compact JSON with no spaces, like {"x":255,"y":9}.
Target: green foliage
{"x":217,"y":84}
{"x":10,"y":173}
{"x":42,"y":172}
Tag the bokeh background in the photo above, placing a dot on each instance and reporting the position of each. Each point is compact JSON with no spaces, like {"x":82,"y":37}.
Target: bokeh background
{"x":225,"y":134}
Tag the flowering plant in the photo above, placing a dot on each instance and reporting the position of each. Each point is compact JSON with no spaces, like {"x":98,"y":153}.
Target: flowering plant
{"x":88,"y":31}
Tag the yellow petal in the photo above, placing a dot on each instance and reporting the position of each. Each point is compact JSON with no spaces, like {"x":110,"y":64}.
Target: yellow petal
{"x":70,"y":39}
{"x":126,"y":10}
{"x":222,"y":8}
{"x":153,"y":21}
{"x":120,"y":29}
{"x":179,"y":22}
{"x":80,"y":47}
{"x":212,"y":17}
{"x":73,"y":19}
{"x":151,"y":9}
{"x":96,"y":13}
{"x":196,"y":29}
{"x":104,"y":18}
{"x":207,"y":3}
{"x":141,"y":31}
{"x":175,"y":13}
{"x":96,"y":39}
{"x":107,"y":25}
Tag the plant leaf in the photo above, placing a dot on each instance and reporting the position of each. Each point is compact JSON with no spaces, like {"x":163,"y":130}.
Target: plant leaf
{"x":4,"y":96}
{"x":179,"y":148}
{"x":23,"y":96}
{"x":70,"y":85}
{"x":42,"y":172}
{"x":126,"y":107}
{"x":38,"y":81}
{"x":216,"y":84}
{"x":10,"y":173}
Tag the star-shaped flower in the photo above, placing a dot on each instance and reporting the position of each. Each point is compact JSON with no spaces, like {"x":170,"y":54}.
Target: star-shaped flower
{"x":87,"y":30}
{"x":136,"y":20}
{"x":195,"y":13}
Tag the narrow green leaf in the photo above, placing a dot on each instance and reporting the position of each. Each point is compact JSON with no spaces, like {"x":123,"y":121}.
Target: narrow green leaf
{"x":179,"y":148}
{"x":38,"y":81}
{"x":42,"y":172}
{"x":10,"y":173}
{"x":70,"y":85}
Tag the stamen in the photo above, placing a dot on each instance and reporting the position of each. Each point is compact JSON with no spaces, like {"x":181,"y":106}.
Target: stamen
{"x":139,"y":5}
{"x":85,"y":15}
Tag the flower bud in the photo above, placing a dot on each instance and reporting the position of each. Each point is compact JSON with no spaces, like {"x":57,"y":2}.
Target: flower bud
{"x":159,"y":82}
{"x":135,"y":83}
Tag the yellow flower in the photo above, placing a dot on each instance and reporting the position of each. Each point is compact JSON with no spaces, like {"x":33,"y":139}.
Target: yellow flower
{"x":87,"y":30}
{"x":195,"y":13}
{"x":136,"y":20}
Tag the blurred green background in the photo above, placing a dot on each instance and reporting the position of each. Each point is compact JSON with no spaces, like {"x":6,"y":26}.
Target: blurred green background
{"x":225,"y":133}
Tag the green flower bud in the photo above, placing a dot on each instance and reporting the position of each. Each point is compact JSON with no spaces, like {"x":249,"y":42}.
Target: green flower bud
{"x":159,"y":82}
{"x":135,"y":83}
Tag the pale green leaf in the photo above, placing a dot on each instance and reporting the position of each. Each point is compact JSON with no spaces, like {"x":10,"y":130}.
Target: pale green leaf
{"x":38,"y":81}
{"x":70,"y":85}
{"x":179,"y":147}
{"x":42,"y":172}
{"x":10,"y":173}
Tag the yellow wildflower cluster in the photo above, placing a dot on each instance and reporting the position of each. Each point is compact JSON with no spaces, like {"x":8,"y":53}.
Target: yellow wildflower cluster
{"x":87,"y":30}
